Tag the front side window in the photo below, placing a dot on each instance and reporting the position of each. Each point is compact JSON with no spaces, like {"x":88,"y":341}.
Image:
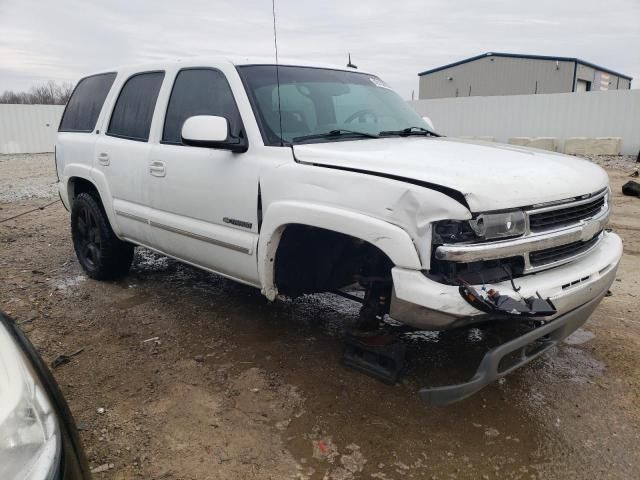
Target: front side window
{"x":316,"y":101}
{"x":83,"y":108}
{"x":199,"y":91}
{"x":133,"y":112}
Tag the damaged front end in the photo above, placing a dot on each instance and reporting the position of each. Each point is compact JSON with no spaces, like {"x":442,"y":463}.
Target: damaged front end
{"x":491,"y":251}
{"x":494,"y":303}
{"x":544,"y":267}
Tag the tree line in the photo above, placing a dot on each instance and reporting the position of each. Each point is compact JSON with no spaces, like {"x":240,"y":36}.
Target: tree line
{"x":49,"y":93}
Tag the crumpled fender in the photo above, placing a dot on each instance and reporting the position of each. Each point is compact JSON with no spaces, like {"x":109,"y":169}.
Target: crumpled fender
{"x":374,"y":200}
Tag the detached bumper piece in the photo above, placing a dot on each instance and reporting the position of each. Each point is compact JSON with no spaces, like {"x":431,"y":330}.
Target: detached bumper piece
{"x":511,"y":355}
{"x":494,"y":303}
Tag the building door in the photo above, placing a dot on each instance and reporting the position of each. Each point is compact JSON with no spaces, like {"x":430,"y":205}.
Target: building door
{"x":583,"y":86}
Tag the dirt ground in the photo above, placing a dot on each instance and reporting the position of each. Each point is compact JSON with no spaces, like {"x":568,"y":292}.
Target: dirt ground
{"x":185,"y":375}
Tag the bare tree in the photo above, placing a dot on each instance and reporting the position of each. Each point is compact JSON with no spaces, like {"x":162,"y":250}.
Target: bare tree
{"x":66,"y":89}
{"x":49,"y":93}
{"x":11,"y":97}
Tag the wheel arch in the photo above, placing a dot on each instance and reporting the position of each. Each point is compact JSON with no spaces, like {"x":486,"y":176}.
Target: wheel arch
{"x":78,"y":183}
{"x":390,"y":239}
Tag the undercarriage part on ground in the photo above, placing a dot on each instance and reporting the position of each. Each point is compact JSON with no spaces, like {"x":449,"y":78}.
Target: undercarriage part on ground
{"x":369,"y":348}
{"x":379,"y":355}
{"x":375,"y":306}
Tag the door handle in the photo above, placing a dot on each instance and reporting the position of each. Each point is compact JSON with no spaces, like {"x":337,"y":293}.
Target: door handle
{"x":103,"y":158}
{"x":157,"y":168}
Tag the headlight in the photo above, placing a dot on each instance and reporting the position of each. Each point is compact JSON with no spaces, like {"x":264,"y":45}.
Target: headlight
{"x":30,"y":439}
{"x":486,"y":226}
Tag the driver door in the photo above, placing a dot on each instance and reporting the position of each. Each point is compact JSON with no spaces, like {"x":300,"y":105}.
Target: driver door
{"x":204,"y":200}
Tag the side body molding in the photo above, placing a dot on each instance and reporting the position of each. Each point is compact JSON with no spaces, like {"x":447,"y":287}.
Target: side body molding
{"x":391,"y":239}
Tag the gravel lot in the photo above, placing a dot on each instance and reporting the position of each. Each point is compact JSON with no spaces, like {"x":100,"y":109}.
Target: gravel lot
{"x":201,"y":378}
{"x":24,"y":177}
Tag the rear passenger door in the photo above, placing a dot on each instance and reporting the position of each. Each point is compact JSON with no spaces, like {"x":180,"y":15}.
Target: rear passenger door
{"x":122,"y":154}
{"x":76,"y":141}
{"x":204,"y":200}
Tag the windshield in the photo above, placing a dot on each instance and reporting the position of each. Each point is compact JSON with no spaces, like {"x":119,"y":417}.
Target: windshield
{"x":324,"y":105}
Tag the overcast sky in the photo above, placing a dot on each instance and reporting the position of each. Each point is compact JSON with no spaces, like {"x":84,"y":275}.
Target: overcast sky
{"x":65,"y":39}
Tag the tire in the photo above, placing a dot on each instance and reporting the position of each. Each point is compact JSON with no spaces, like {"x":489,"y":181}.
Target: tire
{"x":101,"y":254}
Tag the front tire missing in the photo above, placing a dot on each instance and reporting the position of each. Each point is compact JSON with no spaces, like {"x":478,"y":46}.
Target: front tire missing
{"x":101,"y":254}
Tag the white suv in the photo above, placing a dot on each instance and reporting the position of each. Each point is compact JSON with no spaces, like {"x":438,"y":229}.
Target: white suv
{"x":300,"y":178}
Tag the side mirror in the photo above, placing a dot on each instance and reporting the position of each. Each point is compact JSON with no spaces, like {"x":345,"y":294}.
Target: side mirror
{"x":429,"y":123}
{"x":211,"y":132}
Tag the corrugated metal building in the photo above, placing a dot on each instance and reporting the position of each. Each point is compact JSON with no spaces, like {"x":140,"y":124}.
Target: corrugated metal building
{"x":514,"y":74}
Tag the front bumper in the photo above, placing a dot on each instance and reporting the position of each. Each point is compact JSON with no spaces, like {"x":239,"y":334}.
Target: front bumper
{"x":501,"y":360}
{"x":425,"y":304}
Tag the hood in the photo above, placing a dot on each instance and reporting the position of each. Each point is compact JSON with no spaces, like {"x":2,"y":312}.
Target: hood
{"x":489,"y":176}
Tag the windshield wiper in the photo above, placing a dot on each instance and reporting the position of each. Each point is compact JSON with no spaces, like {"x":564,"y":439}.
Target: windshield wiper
{"x":341,"y":132}
{"x":405,"y":132}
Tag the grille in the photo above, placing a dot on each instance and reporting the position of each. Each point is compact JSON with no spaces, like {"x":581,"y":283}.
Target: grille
{"x":564,"y":216}
{"x":556,"y":254}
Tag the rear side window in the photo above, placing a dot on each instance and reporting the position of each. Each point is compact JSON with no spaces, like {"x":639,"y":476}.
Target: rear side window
{"x":131,"y":117}
{"x":83,"y":108}
{"x":199,"y":91}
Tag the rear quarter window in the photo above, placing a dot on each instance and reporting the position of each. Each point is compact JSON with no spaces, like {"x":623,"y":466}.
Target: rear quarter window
{"x":83,"y":108}
{"x":133,"y":112}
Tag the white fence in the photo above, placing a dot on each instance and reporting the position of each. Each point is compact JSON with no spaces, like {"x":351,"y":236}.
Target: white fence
{"x":614,"y":113}
{"x":32,"y":128}
{"x":29,"y":128}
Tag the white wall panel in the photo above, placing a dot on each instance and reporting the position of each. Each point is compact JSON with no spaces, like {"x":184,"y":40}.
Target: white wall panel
{"x":29,"y":128}
{"x":32,"y":128}
{"x":561,"y":115}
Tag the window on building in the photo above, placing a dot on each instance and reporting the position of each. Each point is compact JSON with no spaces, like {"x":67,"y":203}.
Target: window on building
{"x":132,"y":115}
{"x":83,"y":108}
{"x":199,"y":91}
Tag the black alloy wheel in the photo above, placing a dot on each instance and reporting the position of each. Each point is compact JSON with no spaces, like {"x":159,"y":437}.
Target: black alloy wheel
{"x":102,"y":255}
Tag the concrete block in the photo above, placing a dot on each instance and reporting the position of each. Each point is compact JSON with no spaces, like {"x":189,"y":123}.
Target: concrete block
{"x":577,"y":145}
{"x":522,"y":141}
{"x":486,"y":139}
{"x":593,"y":146}
{"x":544,"y":143}
{"x":606,"y":146}
{"x":481,"y":138}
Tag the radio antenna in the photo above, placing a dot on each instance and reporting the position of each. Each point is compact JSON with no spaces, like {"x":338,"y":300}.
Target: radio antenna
{"x":351,"y":65}
{"x":275,"y":43}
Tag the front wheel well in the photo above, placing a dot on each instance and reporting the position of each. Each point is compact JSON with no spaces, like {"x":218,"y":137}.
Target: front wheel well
{"x":312,"y":260}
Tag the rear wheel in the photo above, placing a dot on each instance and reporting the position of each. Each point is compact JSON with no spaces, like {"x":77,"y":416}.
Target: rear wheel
{"x":101,"y":254}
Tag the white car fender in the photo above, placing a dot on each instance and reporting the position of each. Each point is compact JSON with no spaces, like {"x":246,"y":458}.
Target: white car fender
{"x":86,"y":172}
{"x":389,"y":238}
